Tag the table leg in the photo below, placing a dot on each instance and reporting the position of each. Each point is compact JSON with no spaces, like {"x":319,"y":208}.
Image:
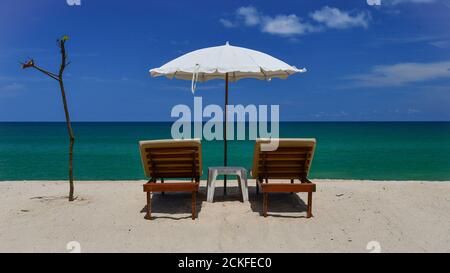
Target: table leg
{"x":213,"y":185}
{"x":210,"y":192}
{"x":244,"y":186}
{"x":238,"y":175}
{"x":149,"y":206}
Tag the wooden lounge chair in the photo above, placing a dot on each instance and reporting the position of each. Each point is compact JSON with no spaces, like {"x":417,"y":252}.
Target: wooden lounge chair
{"x":164,"y":159}
{"x":291,"y":161}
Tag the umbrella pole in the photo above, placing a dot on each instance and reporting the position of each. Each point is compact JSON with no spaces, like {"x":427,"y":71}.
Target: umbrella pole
{"x":225,"y":135}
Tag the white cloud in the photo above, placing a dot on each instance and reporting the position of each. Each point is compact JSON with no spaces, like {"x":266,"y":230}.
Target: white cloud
{"x":335,"y":18}
{"x":409,"y":39}
{"x":227,"y":23}
{"x":12,"y":87}
{"x":250,"y":15}
{"x":11,"y":90}
{"x":286,"y":25}
{"x":439,"y":41}
{"x":401,"y":74}
{"x":441,"y":44}
{"x":291,"y":25}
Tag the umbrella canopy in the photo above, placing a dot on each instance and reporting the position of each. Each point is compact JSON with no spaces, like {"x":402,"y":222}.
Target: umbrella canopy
{"x":215,"y":62}
{"x":227,"y":62}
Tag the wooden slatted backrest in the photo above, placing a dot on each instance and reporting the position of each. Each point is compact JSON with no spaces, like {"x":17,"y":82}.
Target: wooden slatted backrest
{"x":171,"y":158}
{"x":292,"y":159}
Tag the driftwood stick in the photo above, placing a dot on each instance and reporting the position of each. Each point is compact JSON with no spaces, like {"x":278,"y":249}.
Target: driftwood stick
{"x":59,"y":78}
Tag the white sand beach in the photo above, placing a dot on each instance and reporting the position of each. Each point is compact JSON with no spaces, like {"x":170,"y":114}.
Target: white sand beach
{"x":109,"y":217}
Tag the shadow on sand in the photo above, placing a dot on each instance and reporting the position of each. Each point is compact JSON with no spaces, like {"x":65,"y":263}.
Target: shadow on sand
{"x":175,"y":203}
{"x":180,"y":203}
{"x":280,"y":204}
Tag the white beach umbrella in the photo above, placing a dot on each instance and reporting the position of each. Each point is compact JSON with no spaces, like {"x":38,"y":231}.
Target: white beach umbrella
{"x":227,"y":62}
{"x":220,"y":62}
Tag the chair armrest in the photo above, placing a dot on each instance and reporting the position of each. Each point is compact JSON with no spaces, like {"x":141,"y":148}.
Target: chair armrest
{"x":306,"y":180}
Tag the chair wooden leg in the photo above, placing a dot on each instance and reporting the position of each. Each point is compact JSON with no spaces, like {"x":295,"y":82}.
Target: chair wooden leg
{"x":194,"y":204}
{"x":309,"y":212}
{"x":162,"y":181}
{"x":265,"y":203}
{"x":149,"y":206}
{"x":292,"y":182}
{"x":257,"y":187}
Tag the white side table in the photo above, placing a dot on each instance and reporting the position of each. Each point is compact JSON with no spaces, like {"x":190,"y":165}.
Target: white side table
{"x":241,"y":174}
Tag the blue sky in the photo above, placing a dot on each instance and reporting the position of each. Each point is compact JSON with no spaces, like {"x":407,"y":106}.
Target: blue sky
{"x":365,"y":63}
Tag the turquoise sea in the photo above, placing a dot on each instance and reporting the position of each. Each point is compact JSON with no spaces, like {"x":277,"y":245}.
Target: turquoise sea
{"x":109,"y":151}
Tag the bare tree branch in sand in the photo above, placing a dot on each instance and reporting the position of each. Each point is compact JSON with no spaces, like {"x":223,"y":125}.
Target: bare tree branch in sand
{"x":59,"y":77}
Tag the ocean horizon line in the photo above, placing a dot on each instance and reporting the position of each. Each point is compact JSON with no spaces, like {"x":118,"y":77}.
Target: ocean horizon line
{"x":287,"y":121}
